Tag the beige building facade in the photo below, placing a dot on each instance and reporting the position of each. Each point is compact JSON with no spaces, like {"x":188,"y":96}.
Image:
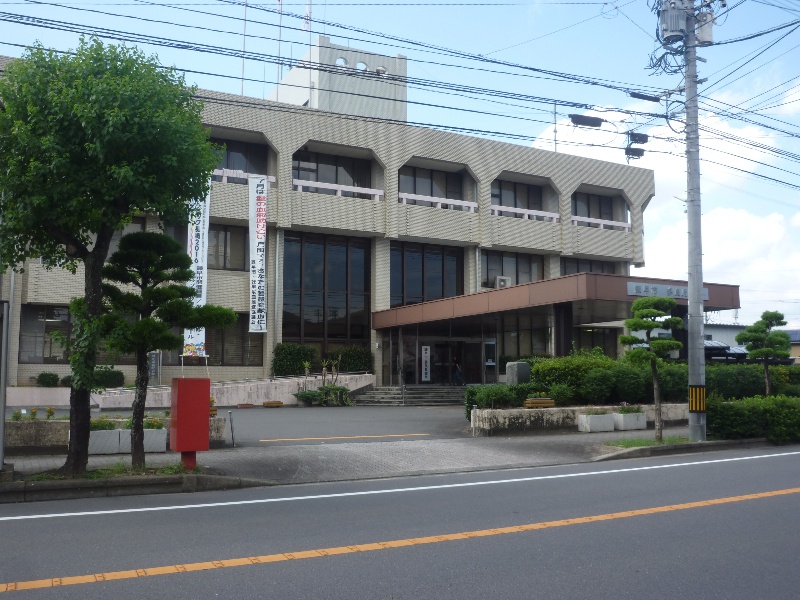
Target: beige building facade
{"x":367,"y":218}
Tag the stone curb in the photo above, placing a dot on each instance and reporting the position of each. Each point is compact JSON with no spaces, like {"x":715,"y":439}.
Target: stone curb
{"x":68,"y":489}
{"x":689,"y":448}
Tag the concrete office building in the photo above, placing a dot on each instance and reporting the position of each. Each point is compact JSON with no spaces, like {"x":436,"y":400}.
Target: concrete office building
{"x":424,"y":245}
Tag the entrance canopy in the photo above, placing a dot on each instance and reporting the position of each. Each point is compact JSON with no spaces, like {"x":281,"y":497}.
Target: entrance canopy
{"x":593,"y":297}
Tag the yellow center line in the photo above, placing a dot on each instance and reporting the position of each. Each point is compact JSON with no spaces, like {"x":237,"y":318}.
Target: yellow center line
{"x":434,"y":539}
{"x":347,"y":437}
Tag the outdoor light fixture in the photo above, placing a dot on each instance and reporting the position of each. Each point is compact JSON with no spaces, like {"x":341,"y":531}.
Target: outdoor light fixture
{"x":586,"y":120}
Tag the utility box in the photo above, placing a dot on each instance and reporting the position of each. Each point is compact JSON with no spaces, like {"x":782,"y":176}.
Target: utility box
{"x":188,"y":420}
{"x":672,"y":21}
{"x":705,"y":31}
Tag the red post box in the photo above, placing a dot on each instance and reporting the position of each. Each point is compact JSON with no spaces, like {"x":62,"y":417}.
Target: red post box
{"x":188,"y":422}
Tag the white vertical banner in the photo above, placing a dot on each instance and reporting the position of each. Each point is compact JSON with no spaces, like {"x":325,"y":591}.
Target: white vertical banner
{"x":194,"y":340}
{"x":258,"y":253}
{"x":426,"y":363}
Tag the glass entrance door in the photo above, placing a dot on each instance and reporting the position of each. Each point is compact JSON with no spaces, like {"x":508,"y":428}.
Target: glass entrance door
{"x":490,"y":361}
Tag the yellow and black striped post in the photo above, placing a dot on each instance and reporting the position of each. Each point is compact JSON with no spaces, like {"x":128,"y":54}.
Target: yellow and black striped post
{"x":697,"y":398}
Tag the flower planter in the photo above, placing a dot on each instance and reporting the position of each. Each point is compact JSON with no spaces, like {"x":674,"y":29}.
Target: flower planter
{"x":155,"y":440}
{"x":593,"y":423}
{"x":629,"y":421}
{"x":104,"y":441}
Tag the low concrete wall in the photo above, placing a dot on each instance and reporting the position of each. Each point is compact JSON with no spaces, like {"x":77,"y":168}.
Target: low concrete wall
{"x":226,"y":393}
{"x":51,"y":437}
{"x":517,"y":420}
{"x":43,"y":435}
{"x":57,"y":397}
{"x":231,"y":393}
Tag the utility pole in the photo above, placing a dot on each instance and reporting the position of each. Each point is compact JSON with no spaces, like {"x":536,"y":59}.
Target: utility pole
{"x":696,"y":339}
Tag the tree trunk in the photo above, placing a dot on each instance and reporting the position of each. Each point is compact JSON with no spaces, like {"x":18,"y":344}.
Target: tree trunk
{"x":767,"y":382}
{"x":79,"y":417}
{"x":79,"y":399}
{"x":137,"y":426}
{"x":657,"y":400}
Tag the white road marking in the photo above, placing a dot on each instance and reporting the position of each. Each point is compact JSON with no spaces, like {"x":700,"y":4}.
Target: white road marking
{"x":391,"y":490}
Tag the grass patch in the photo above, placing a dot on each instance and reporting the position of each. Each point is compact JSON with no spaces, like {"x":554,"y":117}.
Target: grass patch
{"x":644,"y":442}
{"x":118,"y":470}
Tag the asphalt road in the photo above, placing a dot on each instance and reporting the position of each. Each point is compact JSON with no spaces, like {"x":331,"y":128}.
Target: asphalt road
{"x":721,"y":525}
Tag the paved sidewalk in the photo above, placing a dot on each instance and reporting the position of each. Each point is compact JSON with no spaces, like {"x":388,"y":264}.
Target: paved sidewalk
{"x":309,"y":463}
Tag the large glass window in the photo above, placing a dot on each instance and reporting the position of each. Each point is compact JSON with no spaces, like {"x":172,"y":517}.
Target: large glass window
{"x":516,"y":195}
{"x":594,"y":206}
{"x":38,"y":345}
{"x":235,"y":346}
{"x":521,"y":268}
{"x":242,"y":156}
{"x":228,"y":247}
{"x":570,"y":266}
{"x":329,"y":168}
{"x":427,"y":182}
{"x":326,"y":289}
{"x":422,"y":272}
{"x":37,"y":324}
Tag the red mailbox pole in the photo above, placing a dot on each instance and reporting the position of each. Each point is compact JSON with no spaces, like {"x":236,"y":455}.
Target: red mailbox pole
{"x":188,"y":424}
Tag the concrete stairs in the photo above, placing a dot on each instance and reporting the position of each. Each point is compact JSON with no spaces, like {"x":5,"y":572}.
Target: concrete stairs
{"x":415,"y":395}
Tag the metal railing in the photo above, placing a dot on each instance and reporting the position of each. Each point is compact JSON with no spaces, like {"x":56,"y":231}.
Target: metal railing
{"x":226,"y":175}
{"x":299,"y":184}
{"x":447,"y":203}
{"x":601,"y":223}
{"x":526,"y":213}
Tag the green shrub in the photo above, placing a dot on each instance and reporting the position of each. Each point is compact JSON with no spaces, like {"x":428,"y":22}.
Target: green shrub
{"x":289,"y":359}
{"x":147,"y":423}
{"x":791,"y":389}
{"x":784,"y":378}
{"x":596,"y":386}
{"x":66,"y":381}
{"x":101,"y":424}
{"x":16,"y":415}
{"x":735,"y":380}
{"x":630,"y":383}
{"x":563,"y":394}
{"x":334,"y":395}
{"x":569,"y":370}
{"x":494,"y":396}
{"x":522,"y":391}
{"x":47,"y":379}
{"x":353,"y":358}
{"x":470,"y":395}
{"x":674,"y":378}
{"x":109,"y":378}
{"x":308,"y":397}
{"x":777,"y":418}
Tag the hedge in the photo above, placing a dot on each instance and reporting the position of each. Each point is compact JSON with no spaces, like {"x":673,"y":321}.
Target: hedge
{"x":289,"y":359}
{"x":776,"y":418}
{"x":353,"y":358}
{"x":109,"y":378}
{"x":47,"y":380}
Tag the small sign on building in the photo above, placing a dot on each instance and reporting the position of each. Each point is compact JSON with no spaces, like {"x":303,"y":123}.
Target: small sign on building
{"x":426,"y":363}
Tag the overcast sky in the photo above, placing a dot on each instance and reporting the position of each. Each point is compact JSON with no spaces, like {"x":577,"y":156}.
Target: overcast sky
{"x":751,"y":223}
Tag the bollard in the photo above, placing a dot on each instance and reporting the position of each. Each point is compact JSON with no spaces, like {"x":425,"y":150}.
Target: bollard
{"x":233,"y":439}
{"x":472,"y":418}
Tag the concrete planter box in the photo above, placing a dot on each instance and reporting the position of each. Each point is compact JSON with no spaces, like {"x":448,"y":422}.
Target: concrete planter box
{"x":104,"y":441}
{"x":629,"y":421}
{"x":155,"y":440}
{"x":50,"y":435}
{"x":594,"y":423}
